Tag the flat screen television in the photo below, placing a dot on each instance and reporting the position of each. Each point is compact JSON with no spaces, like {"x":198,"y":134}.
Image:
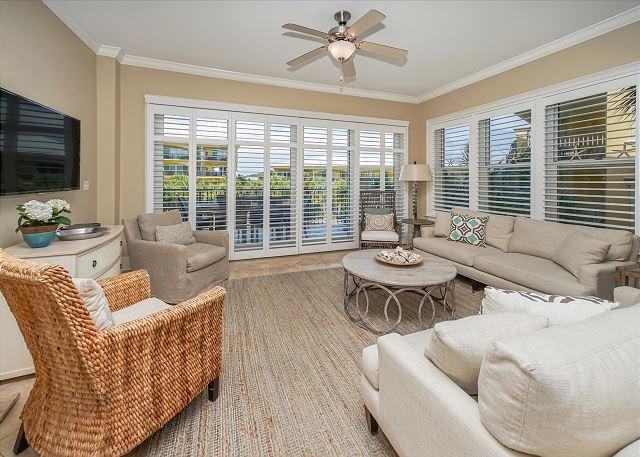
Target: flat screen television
{"x":39,"y":147}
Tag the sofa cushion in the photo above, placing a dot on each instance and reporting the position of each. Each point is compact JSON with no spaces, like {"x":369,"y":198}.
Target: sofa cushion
{"x":626,"y":295}
{"x":499,"y":227}
{"x":442,"y":226}
{"x":457,"y":252}
{"x":578,"y":250}
{"x":371,"y":235}
{"x":181,"y":233}
{"x":370,"y":354}
{"x":201,"y":255}
{"x":533,"y":272}
{"x":621,"y":241}
{"x":468,"y":229}
{"x":149,"y":221}
{"x":557,"y":308}
{"x":457,"y":347}
{"x":139,"y":310}
{"x":538,"y":238}
{"x":566,"y":390}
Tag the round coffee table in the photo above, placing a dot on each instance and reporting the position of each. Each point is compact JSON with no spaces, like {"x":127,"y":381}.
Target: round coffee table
{"x":365,"y":273}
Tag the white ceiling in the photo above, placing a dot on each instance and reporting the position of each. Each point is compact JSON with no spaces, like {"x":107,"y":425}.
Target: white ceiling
{"x":447,"y":40}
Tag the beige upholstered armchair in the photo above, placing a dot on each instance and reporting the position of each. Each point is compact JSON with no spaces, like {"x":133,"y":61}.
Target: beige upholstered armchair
{"x":178,"y":272}
{"x":103,"y":392}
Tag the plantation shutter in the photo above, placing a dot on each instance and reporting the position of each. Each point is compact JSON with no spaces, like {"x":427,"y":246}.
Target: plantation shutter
{"x":171,"y":169}
{"x":212,"y":163}
{"x":504,"y":170}
{"x":451,"y":167}
{"x":249,"y":183}
{"x":394,"y":160}
{"x":590,"y":153}
{"x":283,"y":153}
{"x":371,"y":160}
{"x":314,"y":186}
{"x":343,"y":201}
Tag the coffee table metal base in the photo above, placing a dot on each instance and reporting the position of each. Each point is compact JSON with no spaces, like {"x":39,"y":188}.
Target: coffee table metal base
{"x":445,"y":296}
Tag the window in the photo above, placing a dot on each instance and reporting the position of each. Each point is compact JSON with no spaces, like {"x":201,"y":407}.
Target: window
{"x":590,"y":151}
{"x":451,"y":167}
{"x":504,"y":169}
{"x":279,"y":185}
{"x":566,"y":153}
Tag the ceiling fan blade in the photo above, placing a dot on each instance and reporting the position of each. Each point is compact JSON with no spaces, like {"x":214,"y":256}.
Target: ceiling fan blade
{"x":383,"y":50}
{"x":305,"y":30}
{"x":370,"y":19}
{"x":308,"y":57}
{"x":348,"y":69}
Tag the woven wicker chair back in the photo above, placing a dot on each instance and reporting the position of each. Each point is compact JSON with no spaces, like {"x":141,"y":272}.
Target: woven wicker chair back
{"x":54,"y":322}
{"x":377,"y":199}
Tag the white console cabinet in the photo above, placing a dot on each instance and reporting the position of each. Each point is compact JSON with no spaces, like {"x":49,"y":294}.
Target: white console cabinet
{"x":96,"y":258}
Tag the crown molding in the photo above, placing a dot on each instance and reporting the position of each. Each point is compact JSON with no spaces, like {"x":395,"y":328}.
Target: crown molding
{"x":592,"y":31}
{"x":607,"y":25}
{"x":61,"y":10}
{"x":146,"y":62}
{"x":110,"y":51}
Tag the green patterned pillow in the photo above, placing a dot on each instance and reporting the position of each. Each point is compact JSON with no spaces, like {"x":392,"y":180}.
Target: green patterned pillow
{"x":468,"y":229}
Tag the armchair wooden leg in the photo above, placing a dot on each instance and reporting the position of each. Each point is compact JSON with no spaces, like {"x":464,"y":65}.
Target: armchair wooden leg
{"x":21,"y":441}
{"x":372,"y":423}
{"x":213,"y":389}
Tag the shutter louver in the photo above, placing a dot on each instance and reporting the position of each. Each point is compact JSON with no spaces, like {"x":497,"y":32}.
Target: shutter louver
{"x":451,"y":167}
{"x":504,"y":144}
{"x":314,"y":186}
{"x":343,"y":221}
{"x":590,"y":153}
{"x":283,"y":138}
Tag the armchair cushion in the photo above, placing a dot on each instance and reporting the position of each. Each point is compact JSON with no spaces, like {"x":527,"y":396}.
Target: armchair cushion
{"x":375,"y":235}
{"x":148,"y":222}
{"x":144,"y":308}
{"x":201,"y":255}
{"x":181,"y":233}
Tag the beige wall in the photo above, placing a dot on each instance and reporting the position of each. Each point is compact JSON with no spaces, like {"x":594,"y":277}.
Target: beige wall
{"x":41,"y":59}
{"x":135,"y":82}
{"x":619,"y":47}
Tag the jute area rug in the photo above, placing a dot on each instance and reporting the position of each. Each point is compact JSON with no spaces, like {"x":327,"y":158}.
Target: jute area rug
{"x":291,"y":365}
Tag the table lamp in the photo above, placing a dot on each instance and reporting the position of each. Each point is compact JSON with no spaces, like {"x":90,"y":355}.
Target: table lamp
{"x":415,"y":172}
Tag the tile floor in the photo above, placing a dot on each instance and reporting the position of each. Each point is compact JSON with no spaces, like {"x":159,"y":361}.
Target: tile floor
{"x":238,"y":269}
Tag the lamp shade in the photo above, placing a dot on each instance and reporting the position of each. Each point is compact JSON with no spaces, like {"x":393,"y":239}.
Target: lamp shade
{"x":417,"y":172}
{"x":342,"y":50}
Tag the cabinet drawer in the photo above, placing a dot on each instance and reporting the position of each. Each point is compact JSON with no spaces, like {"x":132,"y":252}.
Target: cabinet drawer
{"x":113,"y":271}
{"x":96,"y":262}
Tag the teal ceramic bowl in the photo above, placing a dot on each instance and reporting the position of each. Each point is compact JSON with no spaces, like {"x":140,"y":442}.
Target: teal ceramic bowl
{"x":38,"y":240}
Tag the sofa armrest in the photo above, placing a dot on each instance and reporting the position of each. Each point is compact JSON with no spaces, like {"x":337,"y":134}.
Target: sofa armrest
{"x":423,"y":412}
{"x":601,"y":276}
{"x":427,"y":231}
{"x":626,"y":296}
{"x":215,"y":237}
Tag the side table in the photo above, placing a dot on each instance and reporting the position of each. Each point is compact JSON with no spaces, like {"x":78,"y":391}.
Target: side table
{"x":415,"y":223}
{"x":628,"y":276}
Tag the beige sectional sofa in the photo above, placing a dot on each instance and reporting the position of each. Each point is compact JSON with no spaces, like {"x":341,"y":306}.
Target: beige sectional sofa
{"x":520,"y":251}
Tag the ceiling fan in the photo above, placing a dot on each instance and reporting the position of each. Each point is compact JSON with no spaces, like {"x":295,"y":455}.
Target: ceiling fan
{"x":343,"y":42}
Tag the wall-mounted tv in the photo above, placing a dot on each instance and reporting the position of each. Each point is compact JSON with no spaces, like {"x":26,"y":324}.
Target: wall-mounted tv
{"x":39,"y":147}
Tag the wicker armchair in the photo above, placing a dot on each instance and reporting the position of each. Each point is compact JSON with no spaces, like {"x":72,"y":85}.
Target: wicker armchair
{"x":103,"y":392}
{"x":378,"y":199}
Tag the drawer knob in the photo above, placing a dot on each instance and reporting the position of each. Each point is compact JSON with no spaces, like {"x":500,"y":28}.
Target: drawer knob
{"x":94,"y":263}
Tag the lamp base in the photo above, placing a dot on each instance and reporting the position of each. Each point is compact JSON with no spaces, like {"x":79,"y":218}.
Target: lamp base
{"x":415,"y":200}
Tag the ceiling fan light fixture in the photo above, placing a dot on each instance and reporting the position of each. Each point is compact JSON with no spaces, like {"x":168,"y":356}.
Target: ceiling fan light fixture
{"x":342,"y":50}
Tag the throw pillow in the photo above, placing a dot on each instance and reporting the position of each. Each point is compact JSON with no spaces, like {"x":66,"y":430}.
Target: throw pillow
{"x":578,"y":250}
{"x":149,"y":221}
{"x":181,"y":233}
{"x":378,"y":211}
{"x":557,"y":308}
{"x":442,"y":226}
{"x":92,"y":295}
{"x":378,"y":222}
{"x":457,"y":347}
{"x":468,"y":229}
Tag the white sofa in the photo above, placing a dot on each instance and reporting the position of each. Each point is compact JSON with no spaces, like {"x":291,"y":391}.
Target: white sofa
{"x":520,"y":251}
{"x":423,"y":412}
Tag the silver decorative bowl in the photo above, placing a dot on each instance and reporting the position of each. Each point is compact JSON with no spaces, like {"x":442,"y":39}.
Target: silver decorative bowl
{"x":81,"y":232}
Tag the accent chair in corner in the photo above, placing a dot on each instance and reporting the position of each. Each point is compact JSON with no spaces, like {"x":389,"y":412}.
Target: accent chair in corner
{"x":178,"y":272}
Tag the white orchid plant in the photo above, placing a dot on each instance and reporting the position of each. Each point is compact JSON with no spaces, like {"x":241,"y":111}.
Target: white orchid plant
{"x":35,"y":213}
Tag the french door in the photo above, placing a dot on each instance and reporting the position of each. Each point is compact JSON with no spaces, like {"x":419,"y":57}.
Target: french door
{"x":280,"y":185}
